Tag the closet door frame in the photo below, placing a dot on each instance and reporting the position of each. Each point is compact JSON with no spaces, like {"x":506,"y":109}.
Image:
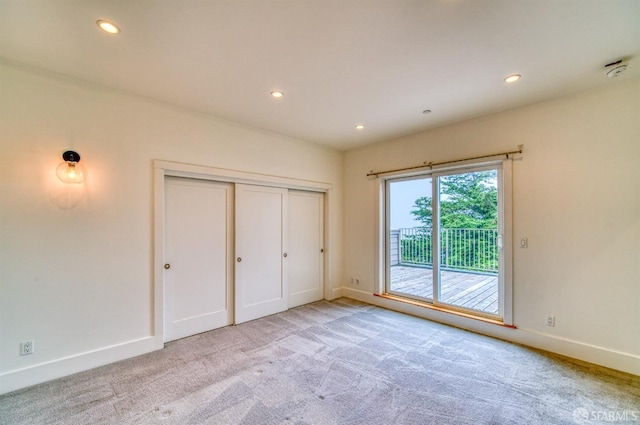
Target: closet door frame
{"x":163,"y":168}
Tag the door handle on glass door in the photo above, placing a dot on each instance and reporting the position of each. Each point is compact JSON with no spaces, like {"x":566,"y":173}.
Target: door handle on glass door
{"x":499,"y":241}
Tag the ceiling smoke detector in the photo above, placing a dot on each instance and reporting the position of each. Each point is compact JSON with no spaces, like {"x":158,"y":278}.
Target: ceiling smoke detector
{"x":616,"y":68}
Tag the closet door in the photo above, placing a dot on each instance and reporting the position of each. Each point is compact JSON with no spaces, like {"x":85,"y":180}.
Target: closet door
{"x":261,"y":235}
{"x":305,"y":263}
{"x":198,"y":275}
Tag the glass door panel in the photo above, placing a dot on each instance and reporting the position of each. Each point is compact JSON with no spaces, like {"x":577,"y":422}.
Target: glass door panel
{"x":468,"y":230}
{"x":409,"y":238}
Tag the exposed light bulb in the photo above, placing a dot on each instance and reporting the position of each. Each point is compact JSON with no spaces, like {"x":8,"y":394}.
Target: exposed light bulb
{"x":70,"y":171}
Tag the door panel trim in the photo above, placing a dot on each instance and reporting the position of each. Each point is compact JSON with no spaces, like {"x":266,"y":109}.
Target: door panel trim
{"x":305,"y":257}
{"x":261,"y":276}
{"x":189,"y":295}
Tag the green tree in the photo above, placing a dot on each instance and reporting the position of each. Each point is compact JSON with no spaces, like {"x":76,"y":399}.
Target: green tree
{"x":468,"y":200}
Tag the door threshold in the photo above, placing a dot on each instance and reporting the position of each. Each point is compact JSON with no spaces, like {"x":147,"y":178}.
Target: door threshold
{"x":444,"y":310}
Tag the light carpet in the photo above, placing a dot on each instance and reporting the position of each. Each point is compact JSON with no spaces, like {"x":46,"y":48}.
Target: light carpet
{"x":340,"y":362}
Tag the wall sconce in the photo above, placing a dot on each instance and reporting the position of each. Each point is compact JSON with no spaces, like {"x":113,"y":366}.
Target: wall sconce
{"x":70,"y":171}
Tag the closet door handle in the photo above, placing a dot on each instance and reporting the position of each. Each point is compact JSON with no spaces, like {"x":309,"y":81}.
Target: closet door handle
{"x":167,"y":266}
{"x":239,"y":259}
{"x":285,"y":255}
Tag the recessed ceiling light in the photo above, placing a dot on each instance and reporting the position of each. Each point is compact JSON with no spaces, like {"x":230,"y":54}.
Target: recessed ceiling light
{"x":108,"y":26}
{"x":359,"y":127}
{"x":512,"y":78}
{"x":277,"y":93}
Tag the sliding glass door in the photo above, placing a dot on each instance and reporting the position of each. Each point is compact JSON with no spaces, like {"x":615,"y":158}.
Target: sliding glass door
{"x":444,"y":235}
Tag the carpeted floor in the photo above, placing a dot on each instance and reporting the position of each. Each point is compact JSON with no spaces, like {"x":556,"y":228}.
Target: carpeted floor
{"x":338,"y":362}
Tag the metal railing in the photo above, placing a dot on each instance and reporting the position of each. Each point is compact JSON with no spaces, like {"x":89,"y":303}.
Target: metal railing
{"x":460,"y":249}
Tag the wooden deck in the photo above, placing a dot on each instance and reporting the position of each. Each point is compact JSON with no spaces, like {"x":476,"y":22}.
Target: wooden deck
{"x":463,"y":289}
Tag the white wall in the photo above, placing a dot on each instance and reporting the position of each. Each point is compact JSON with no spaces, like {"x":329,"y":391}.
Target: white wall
{"x":576,"y":198}
{"x":76,"y":263}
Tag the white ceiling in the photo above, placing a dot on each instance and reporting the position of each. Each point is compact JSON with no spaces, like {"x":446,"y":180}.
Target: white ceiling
{"x":340,"y":62}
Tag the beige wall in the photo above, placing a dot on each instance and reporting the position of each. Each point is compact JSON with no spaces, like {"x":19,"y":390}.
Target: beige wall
{"x":576,"y":197}
{"x":76,"y":263}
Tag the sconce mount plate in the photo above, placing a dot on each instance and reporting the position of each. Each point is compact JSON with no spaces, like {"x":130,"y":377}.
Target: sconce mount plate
{"x":71,"y":156}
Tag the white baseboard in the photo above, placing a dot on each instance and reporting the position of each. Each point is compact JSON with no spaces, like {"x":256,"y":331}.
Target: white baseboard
{"x":602,"y":356}
{"x":335,"y":293}
{"x":42,"y":372}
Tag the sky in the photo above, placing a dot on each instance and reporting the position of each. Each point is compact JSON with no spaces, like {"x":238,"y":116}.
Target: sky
{"x":403,"y":196}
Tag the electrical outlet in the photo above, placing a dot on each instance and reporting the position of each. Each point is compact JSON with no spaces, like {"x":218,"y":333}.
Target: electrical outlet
{"x":27,"y":347}
{"x":358,"y":281}
{"x":524,"y":243}
{"x":551,"y":320}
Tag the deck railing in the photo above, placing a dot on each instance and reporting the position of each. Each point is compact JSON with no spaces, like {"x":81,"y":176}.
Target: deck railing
{"x":460,"y":249}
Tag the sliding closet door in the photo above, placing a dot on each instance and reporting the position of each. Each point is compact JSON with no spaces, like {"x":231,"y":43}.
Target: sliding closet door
{"x":261,"y":235}
{"x":305,"y":262}
{"x":198,"y":275}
